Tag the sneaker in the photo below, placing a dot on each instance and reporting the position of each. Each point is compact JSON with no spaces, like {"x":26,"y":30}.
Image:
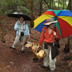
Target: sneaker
{"x":11,"y":47}
{"x":23,"y":49}
{"x":43,"y":66}
{"x":52,"y":71}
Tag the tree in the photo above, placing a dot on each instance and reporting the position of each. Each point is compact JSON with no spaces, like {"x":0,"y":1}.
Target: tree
{"x":31,"y":12}
{"x":58,"y":4}
{"x":63,"y":4}
{"x":10,"y":6}
{"x":50,"y":4}
{"x":46,"y":3}
{"x":70,"y":5}
{"x":40,"y":2}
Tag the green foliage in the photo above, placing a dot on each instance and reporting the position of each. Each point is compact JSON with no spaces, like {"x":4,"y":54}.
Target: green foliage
{"x":4,"y":30}
{"x":10,"y":6}
{"x":3,"y":4}
{"x":36,"y":1}
{"x":9,"y":11}
{"x":54,"y":4}
{"x":0,"y":11}
{"x":1,"y":38}
{"x":23,"y":9}
{"x":64,"y":63}
{"x":15,"y":2}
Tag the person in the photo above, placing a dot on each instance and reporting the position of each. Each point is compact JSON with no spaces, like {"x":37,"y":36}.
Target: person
{"x":47,"y":37}
{"x":22,"y":32}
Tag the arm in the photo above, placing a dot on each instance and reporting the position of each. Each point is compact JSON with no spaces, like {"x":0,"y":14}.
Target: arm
{"x":27,"y":30}
{"x":42,"y":37}
{"x":16,"y":26}
{"x":58,"y":34}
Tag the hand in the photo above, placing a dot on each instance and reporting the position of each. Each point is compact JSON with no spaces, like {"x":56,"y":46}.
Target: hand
{"x":38,"y":48}
{"x":55,"y":34}
{"x":28,"y":37}
{"x":17,"y":22}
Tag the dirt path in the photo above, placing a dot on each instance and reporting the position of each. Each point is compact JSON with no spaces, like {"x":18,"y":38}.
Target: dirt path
{"x":15,"y":61}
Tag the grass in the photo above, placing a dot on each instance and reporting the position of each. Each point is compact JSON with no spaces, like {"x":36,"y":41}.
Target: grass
{"x":4,"y":30}
{"x":4,"y":22}
{"x":1,"y":38}
{"x":64,"y":63}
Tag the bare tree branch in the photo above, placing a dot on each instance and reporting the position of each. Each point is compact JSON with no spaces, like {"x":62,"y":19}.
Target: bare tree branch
{"x":46,"y":3}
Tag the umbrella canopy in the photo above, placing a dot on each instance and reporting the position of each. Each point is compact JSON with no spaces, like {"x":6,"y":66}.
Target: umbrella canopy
{"x":18,"y":15}
{"x":64,"y":23}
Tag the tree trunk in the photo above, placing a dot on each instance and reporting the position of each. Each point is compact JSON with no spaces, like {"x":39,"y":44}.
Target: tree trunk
{"x":40,"y":2}
{"x":63,"y":4}
{"x":50,"y":4}
{"x":69,"y":5}
{"x":58,"y":4}
{"x":31,"y":12}
{"x":70,"y":8}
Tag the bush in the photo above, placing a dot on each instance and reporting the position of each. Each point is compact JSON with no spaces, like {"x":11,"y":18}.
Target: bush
{"x":10,"y":6}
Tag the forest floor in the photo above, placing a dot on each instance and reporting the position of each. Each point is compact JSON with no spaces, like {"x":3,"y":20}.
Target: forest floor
{"x":15,"y":61}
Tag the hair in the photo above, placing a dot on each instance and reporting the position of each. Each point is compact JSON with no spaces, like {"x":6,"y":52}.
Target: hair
{"x":20,"y":17}
{"x":47,"y":25}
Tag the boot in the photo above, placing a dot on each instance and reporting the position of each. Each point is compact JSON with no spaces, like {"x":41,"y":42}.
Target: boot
{"x":43,"y":66}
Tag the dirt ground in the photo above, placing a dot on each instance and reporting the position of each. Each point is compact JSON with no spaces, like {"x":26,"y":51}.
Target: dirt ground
{"x":15,"y":61}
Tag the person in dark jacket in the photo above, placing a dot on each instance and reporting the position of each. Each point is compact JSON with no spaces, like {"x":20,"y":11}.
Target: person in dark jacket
{"x":47,"y":36}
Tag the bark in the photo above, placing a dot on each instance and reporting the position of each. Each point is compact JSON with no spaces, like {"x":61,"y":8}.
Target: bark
{"x":70,"y":8}
{"x":69,"y":5}
{"x":63,"y":4}
{"x":40,"y":2}
{"x":50,"y":4}
{"x":31,"y":12}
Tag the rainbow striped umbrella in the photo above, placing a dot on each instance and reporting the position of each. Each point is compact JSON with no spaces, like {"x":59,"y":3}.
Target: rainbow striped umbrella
{"x":64,"y":23}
